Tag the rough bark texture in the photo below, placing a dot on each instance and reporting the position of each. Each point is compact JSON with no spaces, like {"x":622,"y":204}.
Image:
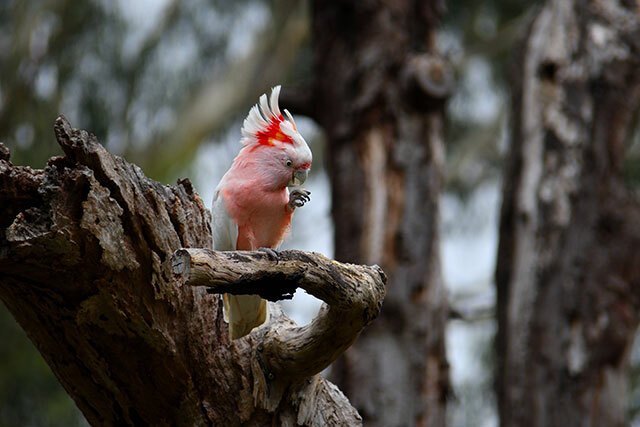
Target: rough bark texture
{"x":568,"y":274}
{"x":378,"y":93}
{"x":85,"y":268}
{"x":353,"y":294}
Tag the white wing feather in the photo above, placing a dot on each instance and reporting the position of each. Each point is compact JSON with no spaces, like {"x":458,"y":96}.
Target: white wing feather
{"x":242,"y":312}
{"x":225,"y":229}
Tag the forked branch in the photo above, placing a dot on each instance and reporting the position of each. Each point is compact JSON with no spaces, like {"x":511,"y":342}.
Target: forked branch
{"x":353,"y":295}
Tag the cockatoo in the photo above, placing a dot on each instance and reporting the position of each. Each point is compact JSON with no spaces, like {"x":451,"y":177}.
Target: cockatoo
{"x":252,"y":205}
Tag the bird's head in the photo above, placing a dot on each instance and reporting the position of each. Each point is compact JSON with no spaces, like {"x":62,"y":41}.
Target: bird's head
{"x":275,"y":143}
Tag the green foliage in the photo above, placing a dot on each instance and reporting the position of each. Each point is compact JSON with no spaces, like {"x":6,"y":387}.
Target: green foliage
{"x":30,"y":394}
{"x":38,"y":67}
{"x":124,"y":79}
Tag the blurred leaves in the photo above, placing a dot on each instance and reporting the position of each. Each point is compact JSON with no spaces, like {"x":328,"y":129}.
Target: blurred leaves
{"x":37,"y":55}
{"x":29,"y":393}
{"x":151,"y":81}
{"x":216,"y":102}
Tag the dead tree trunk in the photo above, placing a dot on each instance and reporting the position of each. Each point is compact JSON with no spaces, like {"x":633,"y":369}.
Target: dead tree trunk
{"x":88,"y":269}
{"x":568,"y":274}
{"x":379,"y":92}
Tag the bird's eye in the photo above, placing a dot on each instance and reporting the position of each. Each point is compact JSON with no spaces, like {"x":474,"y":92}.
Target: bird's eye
{"x":289,"y":163}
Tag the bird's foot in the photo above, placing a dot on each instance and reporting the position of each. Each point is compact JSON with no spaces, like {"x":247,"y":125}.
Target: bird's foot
{"x":298,"y":197}
{"x":271,"y":252}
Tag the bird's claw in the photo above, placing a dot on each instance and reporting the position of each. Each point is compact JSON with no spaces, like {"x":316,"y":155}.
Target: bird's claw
{"x":298,"y":197}
{"x":271,"y":252}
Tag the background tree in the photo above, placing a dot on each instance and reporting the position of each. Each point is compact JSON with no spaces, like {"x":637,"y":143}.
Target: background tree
{"x":378,"y":94}
{"x":568,"y":270}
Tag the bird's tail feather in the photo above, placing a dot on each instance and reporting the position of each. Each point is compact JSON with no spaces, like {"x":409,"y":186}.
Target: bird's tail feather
{"x":243,"y":312}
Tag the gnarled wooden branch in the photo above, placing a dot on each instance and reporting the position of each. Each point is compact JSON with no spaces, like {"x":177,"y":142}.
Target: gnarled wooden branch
{"x":353,"y":293}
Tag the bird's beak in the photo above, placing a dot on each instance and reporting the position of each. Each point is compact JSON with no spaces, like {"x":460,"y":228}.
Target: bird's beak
{"x":299,"y":177}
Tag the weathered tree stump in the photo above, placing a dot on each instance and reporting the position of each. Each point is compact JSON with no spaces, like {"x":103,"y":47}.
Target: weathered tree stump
{"x":87,"y":268}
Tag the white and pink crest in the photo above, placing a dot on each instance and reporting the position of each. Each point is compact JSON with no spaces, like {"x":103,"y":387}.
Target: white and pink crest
{"x":265,"y":124}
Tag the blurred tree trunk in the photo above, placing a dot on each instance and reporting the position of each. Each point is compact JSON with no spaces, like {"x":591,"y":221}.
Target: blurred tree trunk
{"x":379,"y":94}
{"x":568,"y":273}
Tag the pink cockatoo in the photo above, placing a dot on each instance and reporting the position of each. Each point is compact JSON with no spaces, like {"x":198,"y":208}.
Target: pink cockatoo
{"x":252,"y":206}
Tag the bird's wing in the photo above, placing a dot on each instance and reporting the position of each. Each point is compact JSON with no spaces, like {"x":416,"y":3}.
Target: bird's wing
{"x":225,"y":229}
{"x":242,"y":312}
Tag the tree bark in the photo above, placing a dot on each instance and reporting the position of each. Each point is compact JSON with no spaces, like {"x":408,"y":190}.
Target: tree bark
{"x":353,"y":295}
{"x":85,"y":268}
{"x":379,"y":90}
{"x":568,"y":273}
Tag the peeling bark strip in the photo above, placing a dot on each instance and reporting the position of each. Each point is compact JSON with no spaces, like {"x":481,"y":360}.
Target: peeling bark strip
{"x":568,"y":273}
{"x":85,"y":246}
{"x":353,"y":293}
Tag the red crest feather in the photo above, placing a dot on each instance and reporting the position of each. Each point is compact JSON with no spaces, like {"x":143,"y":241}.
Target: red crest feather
{"x":272,"y":133}
{"x":263,"y":124}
